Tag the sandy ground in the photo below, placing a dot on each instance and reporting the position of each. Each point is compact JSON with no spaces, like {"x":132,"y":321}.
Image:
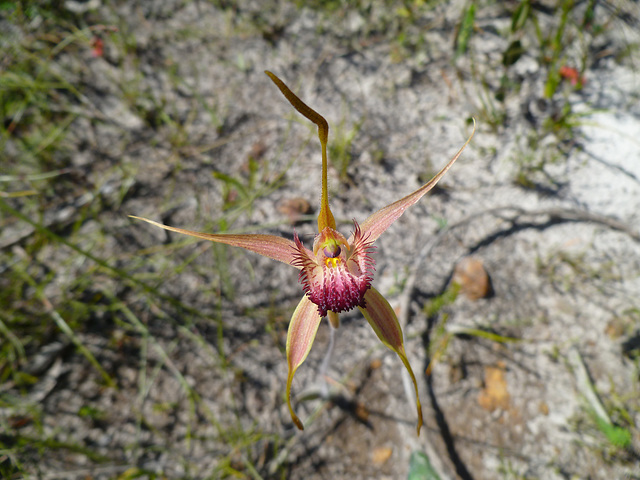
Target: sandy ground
{"x":560,"y":243}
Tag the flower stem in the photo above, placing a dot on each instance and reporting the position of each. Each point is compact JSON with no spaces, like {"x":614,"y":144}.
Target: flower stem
{"x":324,"y":366}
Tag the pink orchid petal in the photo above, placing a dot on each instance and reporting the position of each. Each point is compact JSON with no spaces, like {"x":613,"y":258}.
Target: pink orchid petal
{"x":377,"y":223}
{"x":277,"y":248}
{"x":302,"y":331}
{"x":384,"y":322}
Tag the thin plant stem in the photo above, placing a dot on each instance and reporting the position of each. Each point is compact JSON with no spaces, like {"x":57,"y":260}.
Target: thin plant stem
{"x":324,"y":366}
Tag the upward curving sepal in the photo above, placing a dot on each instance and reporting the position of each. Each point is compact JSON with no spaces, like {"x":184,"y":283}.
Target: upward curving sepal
{"x":377,"y":223}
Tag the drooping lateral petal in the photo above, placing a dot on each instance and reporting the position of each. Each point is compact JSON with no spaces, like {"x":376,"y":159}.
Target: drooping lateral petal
{"x":377,"y":223}
{"x":300,"y":336}
{"x":384,"y":322}
{"x":277,"y":248}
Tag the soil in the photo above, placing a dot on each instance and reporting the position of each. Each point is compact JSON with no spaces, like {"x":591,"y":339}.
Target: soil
{"x":552,"y":218}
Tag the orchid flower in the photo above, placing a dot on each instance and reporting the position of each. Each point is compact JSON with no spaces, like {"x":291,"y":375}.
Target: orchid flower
{"x":336,"y":274}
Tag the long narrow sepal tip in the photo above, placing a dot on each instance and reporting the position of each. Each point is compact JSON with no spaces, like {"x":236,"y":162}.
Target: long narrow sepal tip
{"x":294,"y":417}
{"x":298,"y":423}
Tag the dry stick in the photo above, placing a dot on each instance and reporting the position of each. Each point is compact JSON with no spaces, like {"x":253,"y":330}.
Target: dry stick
{"x":575,"y":215}
{"x":584,"y":384}
{"x":562,"y":214}
{"x":403,"y":316}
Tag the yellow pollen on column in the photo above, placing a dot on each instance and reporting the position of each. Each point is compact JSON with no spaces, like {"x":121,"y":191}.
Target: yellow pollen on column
{"x":333,"y":261}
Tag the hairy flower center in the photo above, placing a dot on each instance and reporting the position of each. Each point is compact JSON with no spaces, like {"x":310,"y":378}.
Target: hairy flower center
{"x":336,"y":275}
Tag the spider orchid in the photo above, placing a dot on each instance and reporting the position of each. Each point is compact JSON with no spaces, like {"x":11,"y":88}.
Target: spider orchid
{"x":336,"y":274}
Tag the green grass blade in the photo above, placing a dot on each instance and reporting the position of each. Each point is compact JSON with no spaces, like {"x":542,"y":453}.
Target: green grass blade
{"x":420,"y":468}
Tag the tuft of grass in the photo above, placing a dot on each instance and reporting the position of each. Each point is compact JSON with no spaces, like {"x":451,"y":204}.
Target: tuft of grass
{"x":562,"y":39}
{"x":65,"y":277}
{"x":443,"y":333}
{"x":340,"y":149}
{"x":465,"y":30}
{"x":618,"y":437}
